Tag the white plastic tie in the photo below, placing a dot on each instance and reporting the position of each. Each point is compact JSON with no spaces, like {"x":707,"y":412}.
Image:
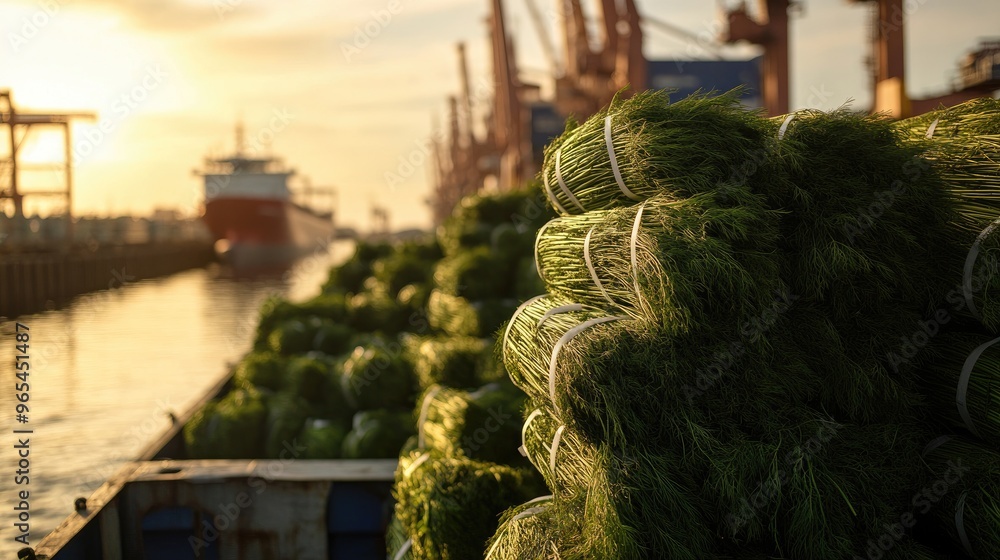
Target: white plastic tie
{"x":569,"y":308}
{"x":932,"y":128}
{"x":784,"y":125}
{"x":524,"y":431}
{"x":554,"y":450}
{"x":962,"y":391}
{"x":424,"y":410}
{"x":614,"y":160}
{"x":552,"y":195}
{"x":529,"y":512}
{"x":590,"y":266}
{"x":513,"y":318}
{"x":632,"y":245}
{"x":970,"y":264}
{"x":562,"y":184}
{"x":934,"y":444}
{"x":416,"y":464}
{"x":538,"y":239}
{"x":960,"y":524}
{"x":544,"y":498}
{"x":403,"y":550}
{"x":570,"y":335}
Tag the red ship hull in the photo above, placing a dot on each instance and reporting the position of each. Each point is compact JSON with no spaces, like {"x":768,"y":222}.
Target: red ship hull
{"x":265,"y":231}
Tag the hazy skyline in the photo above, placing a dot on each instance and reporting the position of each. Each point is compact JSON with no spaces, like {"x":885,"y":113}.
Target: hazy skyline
{"x":345,"y":91}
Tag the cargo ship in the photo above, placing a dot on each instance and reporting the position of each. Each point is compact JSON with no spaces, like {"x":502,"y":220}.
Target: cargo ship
{"x":253,"y":215}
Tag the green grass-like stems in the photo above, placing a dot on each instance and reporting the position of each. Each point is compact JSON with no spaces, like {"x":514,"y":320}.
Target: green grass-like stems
{"x":679,"y":149}
{"x":450,"y":506}
{"x":966,"y":475}
{"x":457,"y":316}
{"x":693,"y":263}
{"x":483,"y":425}
{"x":811,"y":489}
{"x":867,"y":220}
{"x":965,"y":147}
{"x":624,"y":496}
{"x":940,"y":380}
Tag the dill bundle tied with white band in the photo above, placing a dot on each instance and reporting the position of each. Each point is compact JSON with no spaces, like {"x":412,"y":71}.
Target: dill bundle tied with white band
{"x":464,"y":424}
{"x":396,"y":541}
{"x":981,"y":277}
{"x":963,"y":142}
{"x":963,"y":384}
{"x":563,"y":460}
{"x":969,"y":512}
{"x":605,"y":502}
{"x":645,"y":145}
{"x":611,"y":379}
{"x":676,"y":263}
{"x":527,"y":531}
{"x":448,"y":506}
{"x":531,"y":336}
{"x":554,"y":361}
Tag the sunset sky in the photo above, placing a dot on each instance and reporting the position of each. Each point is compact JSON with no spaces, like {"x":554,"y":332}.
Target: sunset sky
{"x":169,"y":78}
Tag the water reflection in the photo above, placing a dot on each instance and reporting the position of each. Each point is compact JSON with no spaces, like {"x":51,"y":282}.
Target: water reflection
{"x":108,"y":368}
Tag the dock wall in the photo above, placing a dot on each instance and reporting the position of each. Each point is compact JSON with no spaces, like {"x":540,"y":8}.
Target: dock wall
{"x":36,"y":280}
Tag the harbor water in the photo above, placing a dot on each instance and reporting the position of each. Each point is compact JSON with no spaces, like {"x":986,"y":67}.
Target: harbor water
{"x":108,"y":369}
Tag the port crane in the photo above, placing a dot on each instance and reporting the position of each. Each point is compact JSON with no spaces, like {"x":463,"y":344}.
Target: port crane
{"x":19,"y":125}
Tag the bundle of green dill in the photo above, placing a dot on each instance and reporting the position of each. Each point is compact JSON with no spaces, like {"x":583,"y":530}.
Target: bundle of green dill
{"x":642,"y":146}
{"x":396,"y":541}
{"x":476,"y":218}
{"x":463,"y":459}
{"x":613,"y":380}
{"x":276,"y":310}
{"x":323,"y":439}
{"x":866,"y":228}
{"x":963,"y":144}
{"x":760,"y":464}
{"x":627,"y":495}
{"x":809,"y":488}
{"x":375,"y":377}
{"x":962,"y":385}
{"x":476,"y":274}
{"x":962,"y":496}
{"x":528,"y":531}
{"x":979,"y":290}
{"x":484,"y":425}
{"x":680,"y":264}
{"x":377,"y":311}
{"x":377,"y":434}
{"x":229,"y":428}
{"x":402,"y":268}
{"x":453,"y":361}
{"x":349,"y":276}
{"x":457,"y":316}
{"x":286,"y":416}
{"x":264,"y":370}
{"x":449,"y":506}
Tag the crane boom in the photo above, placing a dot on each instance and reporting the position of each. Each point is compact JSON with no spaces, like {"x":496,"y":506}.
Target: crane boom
{"x":548,"y":49}
{"x":712,"y":47}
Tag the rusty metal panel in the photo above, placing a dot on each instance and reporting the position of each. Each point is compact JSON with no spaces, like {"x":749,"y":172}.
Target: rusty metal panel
{"x":250,"y":518}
